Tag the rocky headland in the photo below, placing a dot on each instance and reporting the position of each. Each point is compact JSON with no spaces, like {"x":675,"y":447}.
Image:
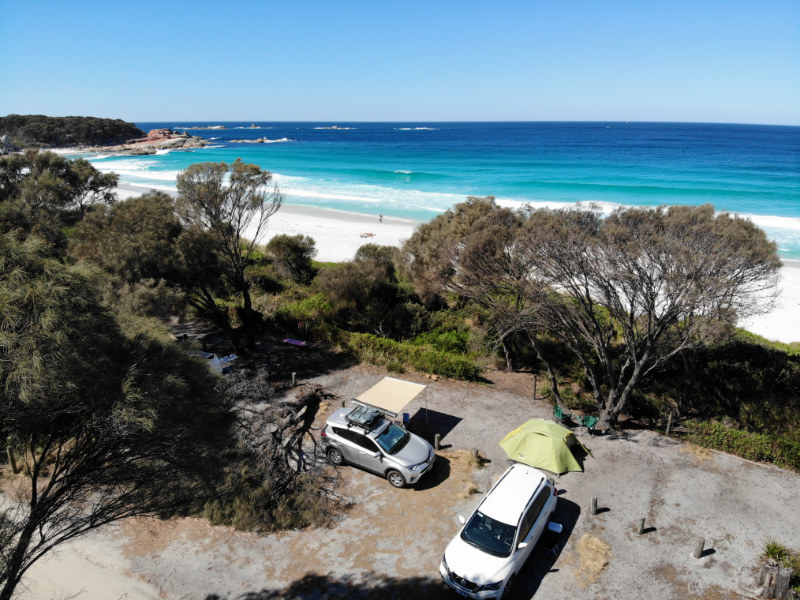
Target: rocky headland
{"x":156,"y":139}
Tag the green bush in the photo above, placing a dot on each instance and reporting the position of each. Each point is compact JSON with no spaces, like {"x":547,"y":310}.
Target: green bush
{"x":383,"y":351}
{"x":452,"y":341}
{"x":752,"y":446}
{"x":306,"y":309}
{"x":572,"y":401}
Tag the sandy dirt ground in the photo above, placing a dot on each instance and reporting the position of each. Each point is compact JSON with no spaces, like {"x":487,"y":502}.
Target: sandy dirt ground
{"x":389,"y":543}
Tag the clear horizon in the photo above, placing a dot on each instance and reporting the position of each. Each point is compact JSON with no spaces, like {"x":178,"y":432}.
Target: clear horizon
{"x":336,"y":121}
{"x":708,"y":61}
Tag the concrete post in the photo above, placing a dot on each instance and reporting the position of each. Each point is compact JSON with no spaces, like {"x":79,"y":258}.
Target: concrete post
{"x":594,"y":506}
{"x":12,"y":459}
{"x":640,"y":531}
{"x":698,"y":548}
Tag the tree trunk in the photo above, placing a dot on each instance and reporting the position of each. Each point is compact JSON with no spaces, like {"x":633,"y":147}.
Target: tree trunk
{"x":774,"y":580}
{"x":14,"y":568}
{"x":689,"y":379}
{"x":509,"y":366}
{"x":248,"y":318}
{"x":550,"y":373}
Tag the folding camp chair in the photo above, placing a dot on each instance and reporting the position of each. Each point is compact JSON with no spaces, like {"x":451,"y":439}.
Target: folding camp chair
{"x":561,"y":417}
{"x":587,"y":421}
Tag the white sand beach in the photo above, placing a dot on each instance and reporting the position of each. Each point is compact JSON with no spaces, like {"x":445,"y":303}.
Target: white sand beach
{"x":338,"y":235}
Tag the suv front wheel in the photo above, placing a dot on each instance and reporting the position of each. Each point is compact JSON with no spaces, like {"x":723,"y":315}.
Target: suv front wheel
{"x":335,"y":456}
{"x":509,"y":589}
{"x":396,"y":478}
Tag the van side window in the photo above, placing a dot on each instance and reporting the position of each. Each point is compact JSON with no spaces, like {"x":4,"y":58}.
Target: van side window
{"x":532,"y":514}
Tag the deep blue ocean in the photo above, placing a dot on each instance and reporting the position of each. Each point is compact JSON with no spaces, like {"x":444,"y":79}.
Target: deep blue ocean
{"x":418,"y":170}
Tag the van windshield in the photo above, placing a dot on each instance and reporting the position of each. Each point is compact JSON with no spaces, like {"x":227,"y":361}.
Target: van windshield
{"x":392,"y":439}
{"x":489,"y":535}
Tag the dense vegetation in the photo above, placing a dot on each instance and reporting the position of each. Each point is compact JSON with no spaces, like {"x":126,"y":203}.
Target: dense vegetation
{"x":37,"y":131}
{"x":103,"y":415}
{"x":630,"y":317}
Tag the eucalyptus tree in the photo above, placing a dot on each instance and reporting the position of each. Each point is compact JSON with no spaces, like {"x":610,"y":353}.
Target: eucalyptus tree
{"x":104,"y":425}
{"x":232,"y":204}
{"x":625,"y":293}
{"x":43,"y":192}
{"x":134,"y":239}
{"x":631,"y":291}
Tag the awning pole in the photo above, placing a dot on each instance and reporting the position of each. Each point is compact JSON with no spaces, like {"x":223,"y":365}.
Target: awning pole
{"x":427,"y":424}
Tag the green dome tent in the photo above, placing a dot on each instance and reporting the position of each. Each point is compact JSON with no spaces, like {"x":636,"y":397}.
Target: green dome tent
{"x":545,"y":445}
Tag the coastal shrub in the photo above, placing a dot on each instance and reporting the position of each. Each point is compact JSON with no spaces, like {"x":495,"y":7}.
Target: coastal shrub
{"x":572,"y":400}
{"x":150,"y":297}
{"x":452,"y":341}
{"x":291,"y":256}
{"x":311,"y":308}
{"x":263,"y":278}
{"x":377,"y":350}
{"x":755,"y":384}
{"x":757,"y":447}
{"x":792,"y":349}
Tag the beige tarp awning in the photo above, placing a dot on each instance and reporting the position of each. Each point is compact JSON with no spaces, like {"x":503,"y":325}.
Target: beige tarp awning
{"x":390,"y":395}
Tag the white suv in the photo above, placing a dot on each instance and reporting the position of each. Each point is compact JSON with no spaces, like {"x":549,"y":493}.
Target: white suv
{"x":484,"y":558}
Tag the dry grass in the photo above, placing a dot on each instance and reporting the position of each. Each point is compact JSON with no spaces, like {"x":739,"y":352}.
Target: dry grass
{"x":700,"y":453}
{"x":593,"y":555}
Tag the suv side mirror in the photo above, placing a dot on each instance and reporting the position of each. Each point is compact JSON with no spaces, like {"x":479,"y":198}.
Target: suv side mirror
{"x":461,"y":519}
{"x":522,"y":545}
{"x":376,"y":454}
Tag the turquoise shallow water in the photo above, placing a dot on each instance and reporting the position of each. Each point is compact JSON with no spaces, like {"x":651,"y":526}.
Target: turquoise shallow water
{"x":418,"y":170}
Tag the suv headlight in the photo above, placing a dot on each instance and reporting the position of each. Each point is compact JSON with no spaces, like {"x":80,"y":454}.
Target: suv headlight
{"x":491,"y":586}
{"x":418,"y":467}
{"x":444,"y":564}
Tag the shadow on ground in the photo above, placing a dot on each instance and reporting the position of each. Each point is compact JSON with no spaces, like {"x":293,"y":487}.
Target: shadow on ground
{"x":426,"y":423}
{"x":437,"y":475}
{"x":270,"y":352}
{"x":322,"y":587}
{"x":546,"y":552}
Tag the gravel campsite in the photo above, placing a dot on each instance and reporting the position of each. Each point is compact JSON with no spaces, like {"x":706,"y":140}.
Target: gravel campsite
{"x":388,"y":542}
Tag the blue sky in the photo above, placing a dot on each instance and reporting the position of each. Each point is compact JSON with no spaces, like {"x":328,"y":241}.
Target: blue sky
{"x":702,"y":61}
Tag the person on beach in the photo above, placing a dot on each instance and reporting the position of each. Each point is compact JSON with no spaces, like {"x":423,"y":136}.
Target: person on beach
{"x":380,"y":218}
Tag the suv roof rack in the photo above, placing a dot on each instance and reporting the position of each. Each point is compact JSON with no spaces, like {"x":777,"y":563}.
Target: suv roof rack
{"x":363,"y":416}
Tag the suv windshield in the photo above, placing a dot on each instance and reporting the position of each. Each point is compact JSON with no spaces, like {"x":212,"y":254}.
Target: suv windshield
{"x":392,"y":439}
{"x":489,"y":535}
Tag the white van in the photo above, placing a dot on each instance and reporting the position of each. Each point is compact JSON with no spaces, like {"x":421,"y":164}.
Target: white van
{"x":484,"y":558}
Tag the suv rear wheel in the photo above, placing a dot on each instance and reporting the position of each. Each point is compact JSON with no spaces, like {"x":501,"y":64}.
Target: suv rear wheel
{"x":335,"y":456}
{"x":396,"y":478}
